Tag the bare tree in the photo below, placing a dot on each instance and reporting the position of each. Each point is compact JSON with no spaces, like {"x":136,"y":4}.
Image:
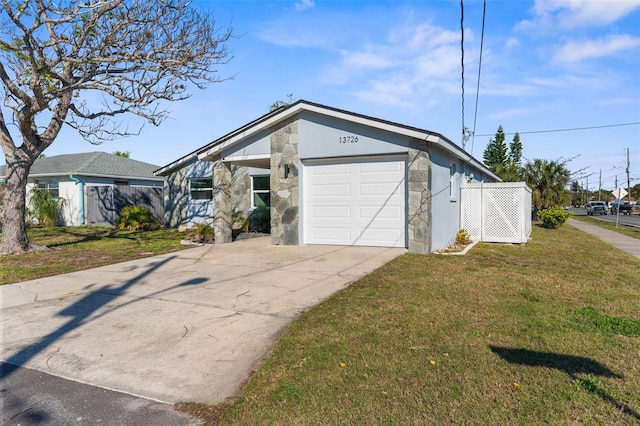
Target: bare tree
{"x":85,"y":63}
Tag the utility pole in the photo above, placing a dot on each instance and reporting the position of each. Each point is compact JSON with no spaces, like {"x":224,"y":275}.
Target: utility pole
{"x":588,"y":197}
{"x":628,"y":178}
{"x":600,"y":187}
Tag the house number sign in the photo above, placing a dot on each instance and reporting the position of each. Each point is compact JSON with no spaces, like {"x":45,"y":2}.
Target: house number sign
{"x":348,"y":139}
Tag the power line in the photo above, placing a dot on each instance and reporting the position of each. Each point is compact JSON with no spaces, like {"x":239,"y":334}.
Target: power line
{"x":462,"y":69}
{"x":635,"y":123}
{"x":475,"y":114}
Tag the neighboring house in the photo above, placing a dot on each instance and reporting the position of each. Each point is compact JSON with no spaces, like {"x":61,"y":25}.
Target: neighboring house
{"x":95,"y":185}
{"x":329,"y":177}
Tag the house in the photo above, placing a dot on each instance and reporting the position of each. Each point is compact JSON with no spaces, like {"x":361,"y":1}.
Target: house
{"x":95,"y":185}
{"x":329,"y":176}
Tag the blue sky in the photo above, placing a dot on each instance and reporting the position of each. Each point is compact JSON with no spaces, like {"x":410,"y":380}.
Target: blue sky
{"x":546,"y":65}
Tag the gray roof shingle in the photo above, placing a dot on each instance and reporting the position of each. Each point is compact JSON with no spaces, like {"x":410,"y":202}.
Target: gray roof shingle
{"x":91,"y":164}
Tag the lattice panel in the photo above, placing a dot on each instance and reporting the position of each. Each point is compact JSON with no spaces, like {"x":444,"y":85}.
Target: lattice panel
{"x":498,"y":212}
{"x":470,"y":216}
{"x":502,"y":214}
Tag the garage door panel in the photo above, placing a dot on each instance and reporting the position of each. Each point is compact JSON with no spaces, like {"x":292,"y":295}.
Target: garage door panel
{"x":332,"y":170}
{"x":331,"y":235}
{"x":379,"y":167}
{"x":393,"y":213}
{"x":371,"y":212}
{"x":379,"y":189}
{"x":331,"y":190}
{"x":380,"y":236}
{"x":331,"y":212}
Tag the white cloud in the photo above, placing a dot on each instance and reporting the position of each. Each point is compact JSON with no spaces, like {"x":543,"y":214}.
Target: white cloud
{"x":511,"y":43}
{"x":365,"y":60}
{"x":412,"y":61}
{"x":304,"y":4}
{"x":576,"y":51}
{"x":575,"y":13}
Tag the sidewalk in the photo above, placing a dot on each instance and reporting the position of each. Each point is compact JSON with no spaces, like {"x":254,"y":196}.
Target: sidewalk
{"x":624,"y":243}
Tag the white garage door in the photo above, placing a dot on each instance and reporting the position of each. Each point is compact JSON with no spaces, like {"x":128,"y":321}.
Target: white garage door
{"x":357,"y":202}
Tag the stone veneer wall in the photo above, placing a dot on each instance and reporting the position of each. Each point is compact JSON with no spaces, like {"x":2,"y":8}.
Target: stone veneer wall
{"x":240,"y":191}
{"x":419,"y":205}
{"x":284,"y":191}
{"x":222,"y":219}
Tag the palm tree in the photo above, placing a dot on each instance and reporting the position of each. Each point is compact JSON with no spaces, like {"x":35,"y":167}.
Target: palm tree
{"x":548,"y":181}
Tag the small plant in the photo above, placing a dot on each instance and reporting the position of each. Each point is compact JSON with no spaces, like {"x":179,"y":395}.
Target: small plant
{"x":45,"y":208}
{"x":136,"y":218}
{"x":204,"y":233}
{"x":241,"y":221}
{"x":553,"y":217}
{"x":462,"y":237}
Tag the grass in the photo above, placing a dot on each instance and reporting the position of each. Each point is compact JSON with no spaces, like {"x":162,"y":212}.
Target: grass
{"x":542,"y":333}
{"x":629,"y":231}
{"x":78,"y":248}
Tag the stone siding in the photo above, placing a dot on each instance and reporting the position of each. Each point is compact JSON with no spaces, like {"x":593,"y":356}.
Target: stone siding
{"x":284,"y":190}
{"x":222,"y":218}
{"x":419,"y":204}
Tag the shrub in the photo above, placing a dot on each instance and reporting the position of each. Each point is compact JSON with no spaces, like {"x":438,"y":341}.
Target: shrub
{"x":553,"y":217}
{"x":204,"y":232}
{"x":261,"y":219}
{"x":45,"y":208}
{"x":241,"y":222}
{"x":135,"y":218}
{"x":462,"y":237}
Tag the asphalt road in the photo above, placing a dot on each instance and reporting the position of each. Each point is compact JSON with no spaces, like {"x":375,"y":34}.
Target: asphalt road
{"x":30,"y":397}
{"x":628,"y":220}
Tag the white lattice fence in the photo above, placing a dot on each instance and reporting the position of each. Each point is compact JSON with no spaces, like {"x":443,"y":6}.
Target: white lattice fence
{"x":497,"y":212}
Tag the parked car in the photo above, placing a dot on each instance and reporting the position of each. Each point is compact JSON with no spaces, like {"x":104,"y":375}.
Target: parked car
{"x":625,"y":207}
{"x":596,"y":207}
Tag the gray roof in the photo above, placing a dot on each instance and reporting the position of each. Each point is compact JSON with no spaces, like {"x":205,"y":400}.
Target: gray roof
{"x":90,"y":164}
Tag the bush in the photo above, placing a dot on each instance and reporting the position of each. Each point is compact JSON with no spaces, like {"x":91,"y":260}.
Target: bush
{"x":462,"y":237}
{"x":204,"y":233}
{"x":136,"y":218}
{"x":260,"y":219}
{"x":553,"y":217}
{"x":45,"y":208}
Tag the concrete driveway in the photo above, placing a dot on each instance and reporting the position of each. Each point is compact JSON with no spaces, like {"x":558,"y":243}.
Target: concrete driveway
{"x":186,"y":326}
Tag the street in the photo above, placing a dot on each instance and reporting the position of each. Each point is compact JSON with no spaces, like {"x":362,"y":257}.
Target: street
{"x":628,"y":220}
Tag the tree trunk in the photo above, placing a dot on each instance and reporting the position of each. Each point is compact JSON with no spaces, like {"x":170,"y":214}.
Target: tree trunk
{"x":14,"y":229}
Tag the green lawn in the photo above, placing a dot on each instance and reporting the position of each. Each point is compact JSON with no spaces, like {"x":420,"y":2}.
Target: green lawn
{"x":542,"y":333}
{"x":77,"y":248}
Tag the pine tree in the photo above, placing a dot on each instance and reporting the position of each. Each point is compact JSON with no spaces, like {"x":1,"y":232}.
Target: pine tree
{"x":515,"y":151}
{"x":495,"y":155}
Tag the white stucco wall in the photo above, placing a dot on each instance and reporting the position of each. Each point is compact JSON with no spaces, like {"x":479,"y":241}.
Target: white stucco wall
{"x":320,"y":137}
{"x":256,"y":145}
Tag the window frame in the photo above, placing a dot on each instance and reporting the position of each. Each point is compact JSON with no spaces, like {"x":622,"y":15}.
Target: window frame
{"x":453,"y":173}
{"x":255,"y":191}
{"x":52,"y":186}
{"x":208,"y":190}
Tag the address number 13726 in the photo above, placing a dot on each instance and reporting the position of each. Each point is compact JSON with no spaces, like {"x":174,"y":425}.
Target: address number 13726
{"x":348,"y":139}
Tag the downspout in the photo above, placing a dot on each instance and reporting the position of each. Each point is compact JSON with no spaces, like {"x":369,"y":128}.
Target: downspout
{"x":78,"y":181}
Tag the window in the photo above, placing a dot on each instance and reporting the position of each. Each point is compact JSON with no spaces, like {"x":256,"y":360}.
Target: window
{"x":453,"y":168}
{"x":201,"y":189}
{"x":50,"y":185}
{"x":260,"y":192}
